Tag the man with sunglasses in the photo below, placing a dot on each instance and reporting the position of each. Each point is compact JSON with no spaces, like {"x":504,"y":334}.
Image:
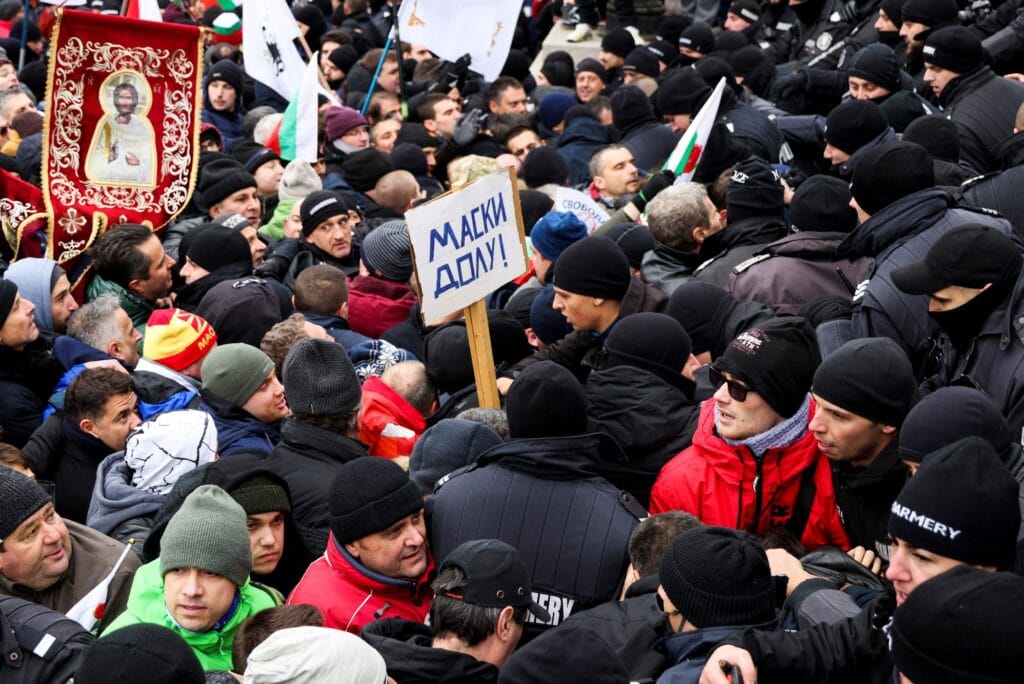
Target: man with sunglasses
{"x":753,"y":464}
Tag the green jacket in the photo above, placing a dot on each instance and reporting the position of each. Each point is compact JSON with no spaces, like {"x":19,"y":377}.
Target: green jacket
{"x":137,"y":308}
{"x":274,"y":228}
{"x":213,"y":648}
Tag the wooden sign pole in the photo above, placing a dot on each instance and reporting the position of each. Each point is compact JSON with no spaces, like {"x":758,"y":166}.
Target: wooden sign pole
{"x":479,"y":334}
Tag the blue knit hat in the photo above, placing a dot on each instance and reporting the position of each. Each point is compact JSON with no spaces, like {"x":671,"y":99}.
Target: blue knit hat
{"x":555,"y":231}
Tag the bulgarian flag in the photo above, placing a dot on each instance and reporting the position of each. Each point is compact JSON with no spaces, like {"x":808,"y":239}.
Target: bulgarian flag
{"x":147,"y":10}
{"x":684,"y":158}
{"x":90,"y":608}
{"x":295,"y":137}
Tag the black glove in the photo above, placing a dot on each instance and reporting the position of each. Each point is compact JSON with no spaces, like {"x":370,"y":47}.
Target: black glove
{"x":468,"y":127}
{"x":793,"y":85}
{"x":655,"y":184}
{"x":451,"y":74}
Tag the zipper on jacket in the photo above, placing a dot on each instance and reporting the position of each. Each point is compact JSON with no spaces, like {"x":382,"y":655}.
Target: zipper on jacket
{"x":759,"y":461}
{"x":739,"y":508}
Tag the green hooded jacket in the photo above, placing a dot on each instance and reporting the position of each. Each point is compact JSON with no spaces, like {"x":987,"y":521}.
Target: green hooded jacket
{"x":137,"y":308}
{"x":213,"y":648}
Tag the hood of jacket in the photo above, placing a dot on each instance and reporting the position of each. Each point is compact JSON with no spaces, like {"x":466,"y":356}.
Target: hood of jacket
{"x":366,"y":580}
{"x":33,"y":278}
{"x":137,"y":308}
{"x":903,"y":218}
{"x":406,"y":647}
{"x":115,"y":499}
{"x":756,"y":230}
{"x":584,"y":130}
{"x":699,"y":643}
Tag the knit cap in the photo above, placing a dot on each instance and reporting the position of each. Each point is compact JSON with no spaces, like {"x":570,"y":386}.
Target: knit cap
{"x":965,"y":626}
{"x":140,"y":653}
{"x":718,"y":577}
{"x":317,"y":207}
{"x":167,"y":446}
{"x":543,"y":166}
{"x":630,"y":106}
{"x":948,"y":415}
{"x":176,"y":338}
{"x":387,"y":252}
{"x":956,"y":48}
{"x":209,"y":533}
{"x":698,"y":36}
{"x":695,"y":305}
{"x":445,"y":447}
{"x":822,"y":203}
{"x":854,"y":124}
{"x":363,"y":168}
{"x":962,"y":504}
{"x":642,"y":61}
{"x":749,"y":10}
{"x":312,"y":655}
{"x":340,"y":120}
{"x":555,"y":231}
{"x":22,"y":496}
{"x":894,"y":10}
{"x":233,"y":372}
{"x":777,"y":359}
{"x":671,"y":26}
{"x":754,"y":190}
{"x":241,"y":310}
{"x":215,"y":247}
{"x":553,"y":108}
{"x":299,"y":180}
{"x":319,"y":379}
{"x":889,"y":172}
{"x":648,"y":340}
{"x":227,"y":71}
{"x":251,"y":155}
{"x":633,"y":239}
{"x":369,"y":495}
{"x":931,"y":13}
{"x":937,"y":134}
{"x":219,"y":179}
{"x":618,"y":42}
{"x":593,"y":66}
{"x":546,"y":400}
{"x":261,"y":494}
{"x":573,"y":647}
{"x":593,"y":267}
{"x":869,"y":377}
{"x":547,"y":324}
{"x":876,"y":63}
{"x":409,"y":157}
{"x":344,"y":57}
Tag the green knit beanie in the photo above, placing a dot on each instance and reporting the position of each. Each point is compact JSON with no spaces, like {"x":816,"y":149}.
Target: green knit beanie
{"x":209,"y":533}
{"x":234,"y":372}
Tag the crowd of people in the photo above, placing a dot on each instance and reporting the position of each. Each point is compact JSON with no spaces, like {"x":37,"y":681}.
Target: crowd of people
{"x":762,"y":424}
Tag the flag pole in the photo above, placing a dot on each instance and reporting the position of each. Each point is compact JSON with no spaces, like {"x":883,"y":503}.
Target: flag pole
{"x":380,"y":65}
{"x":401,"y":77}
{"x":24,"y":36}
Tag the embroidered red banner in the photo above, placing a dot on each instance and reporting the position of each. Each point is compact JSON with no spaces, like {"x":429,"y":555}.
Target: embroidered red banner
{"x":23,"y":217}
{"x":121,"y":133}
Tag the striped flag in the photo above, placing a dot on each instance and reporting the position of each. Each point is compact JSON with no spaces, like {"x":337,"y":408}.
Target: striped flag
{"x":684,"y":158}
{"x":147,"y":10}
{"x":295,"y":136}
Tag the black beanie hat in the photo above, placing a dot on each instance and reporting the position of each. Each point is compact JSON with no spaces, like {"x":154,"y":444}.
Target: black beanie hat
{"x":546,"y":400}
{"x":642,"y":61}
{"x":229,"y":72}
{"x":548,"y":324}
{"x":965,"y":626}
{"x":543,"y":166}
{"x":822,"y":203}
{"x":369,"y":495}
{"x":671,"y":26}
{"x":574,"y":647}
{"x":319,"y":206}
{"x":683,"y":92}
{"x":931,"y":13}
{"x":618,"y":42}
{"x":633,"y":239}
{"x":630,"y":106}
{"x":694,"y":304}
{"x":535,"y":204}
{"x":221,"y":178}
{"x":728,"y":42}
{"x":722,"y":151}
{"x":962,"y":504}
{"x":894,"y":10}
{"x":140,"y":653}
{"x":854,"y":124}
{"x":22,"y":496}
{"x":937,"y":134}
{"x":717,"y":577}
{"x":593,"y":267}
{"x":409,"y":157}
{"x":754,"y":66}
{"x":876,"y":63}
{"x":8,"y":293}
{"x":956,"y":48}
{"x":252,"y":155}
{"x":648,"y":340}
{"x":754,"y":190}
{"x":698,"y":36}
{"x":870,"y":377}
{"x":344,"y":57}
{"x":889,"y":172}
{"x":216,"y":246}
{"x":949,"y":414}
{"x":777,"y":359}
{"x":412,"y":132}
{"x":593,"y":66}
{"x":364,"y":168}
{"x":749,"y":10}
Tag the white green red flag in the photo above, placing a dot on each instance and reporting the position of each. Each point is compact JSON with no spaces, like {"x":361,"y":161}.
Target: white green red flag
{"x":146,"y":10}
{"x":295,"y":136}
{"x":684,"y":158}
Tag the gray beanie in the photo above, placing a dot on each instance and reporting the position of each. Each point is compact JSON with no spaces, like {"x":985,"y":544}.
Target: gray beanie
{"x":21,"y":496}
{"x":209,"y":533}
{"x":446,"y":447}
{"x":319,"y":379}
{"x":233,"y":372}
{"x":387,"y":253}
{"x":299,"y":180}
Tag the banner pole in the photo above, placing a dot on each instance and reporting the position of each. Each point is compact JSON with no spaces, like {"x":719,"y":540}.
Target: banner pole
{"x":479,"y":334}
{"x":376,"y":72}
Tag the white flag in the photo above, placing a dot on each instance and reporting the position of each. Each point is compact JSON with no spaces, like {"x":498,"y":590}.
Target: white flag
{"x":90,"y":608}
{"x":684,"y":158}
{"x":297,"y":133}
{"x":268,"y":32}
{"x":451,"y":28}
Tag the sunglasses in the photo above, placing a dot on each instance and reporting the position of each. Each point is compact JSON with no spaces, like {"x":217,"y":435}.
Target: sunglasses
{"x":737,"y":390}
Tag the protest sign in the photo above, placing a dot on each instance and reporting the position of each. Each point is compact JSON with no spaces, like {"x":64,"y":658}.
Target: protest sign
{"x":585,"y":208}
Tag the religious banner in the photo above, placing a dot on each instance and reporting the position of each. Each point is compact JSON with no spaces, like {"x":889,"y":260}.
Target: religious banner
{"x":121,"y":133}
{"x":23,"y":218}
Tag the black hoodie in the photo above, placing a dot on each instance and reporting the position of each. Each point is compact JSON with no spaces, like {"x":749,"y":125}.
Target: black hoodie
{"x":411,"y":659}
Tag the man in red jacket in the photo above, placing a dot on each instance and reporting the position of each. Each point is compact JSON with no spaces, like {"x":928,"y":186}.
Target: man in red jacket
{"x":377,"y":563}
{"x":753,"y":464}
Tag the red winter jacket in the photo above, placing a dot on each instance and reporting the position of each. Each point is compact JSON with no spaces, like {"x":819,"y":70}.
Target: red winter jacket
{"x":350,"y":599}
{"x":375,"y":304}
{"x":388,"y":425}
{"x":707,"y":476}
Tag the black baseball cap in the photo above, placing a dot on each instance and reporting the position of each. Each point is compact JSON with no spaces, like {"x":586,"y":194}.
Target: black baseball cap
{"x":971,"y":255}
{"x":496,"y":576}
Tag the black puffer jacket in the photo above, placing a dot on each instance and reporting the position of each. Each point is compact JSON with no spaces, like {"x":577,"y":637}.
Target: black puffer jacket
{"x":411,"y":659}
{"x":26,"y":380}
{"x":39,"y":644}
{"x":651,"y":418}
{"x":865,"y":495}
{"x":983,"y":106}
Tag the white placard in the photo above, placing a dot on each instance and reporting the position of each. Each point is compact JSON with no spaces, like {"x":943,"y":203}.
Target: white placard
{"x":466,"y":244}
{"x":581,"y":204}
